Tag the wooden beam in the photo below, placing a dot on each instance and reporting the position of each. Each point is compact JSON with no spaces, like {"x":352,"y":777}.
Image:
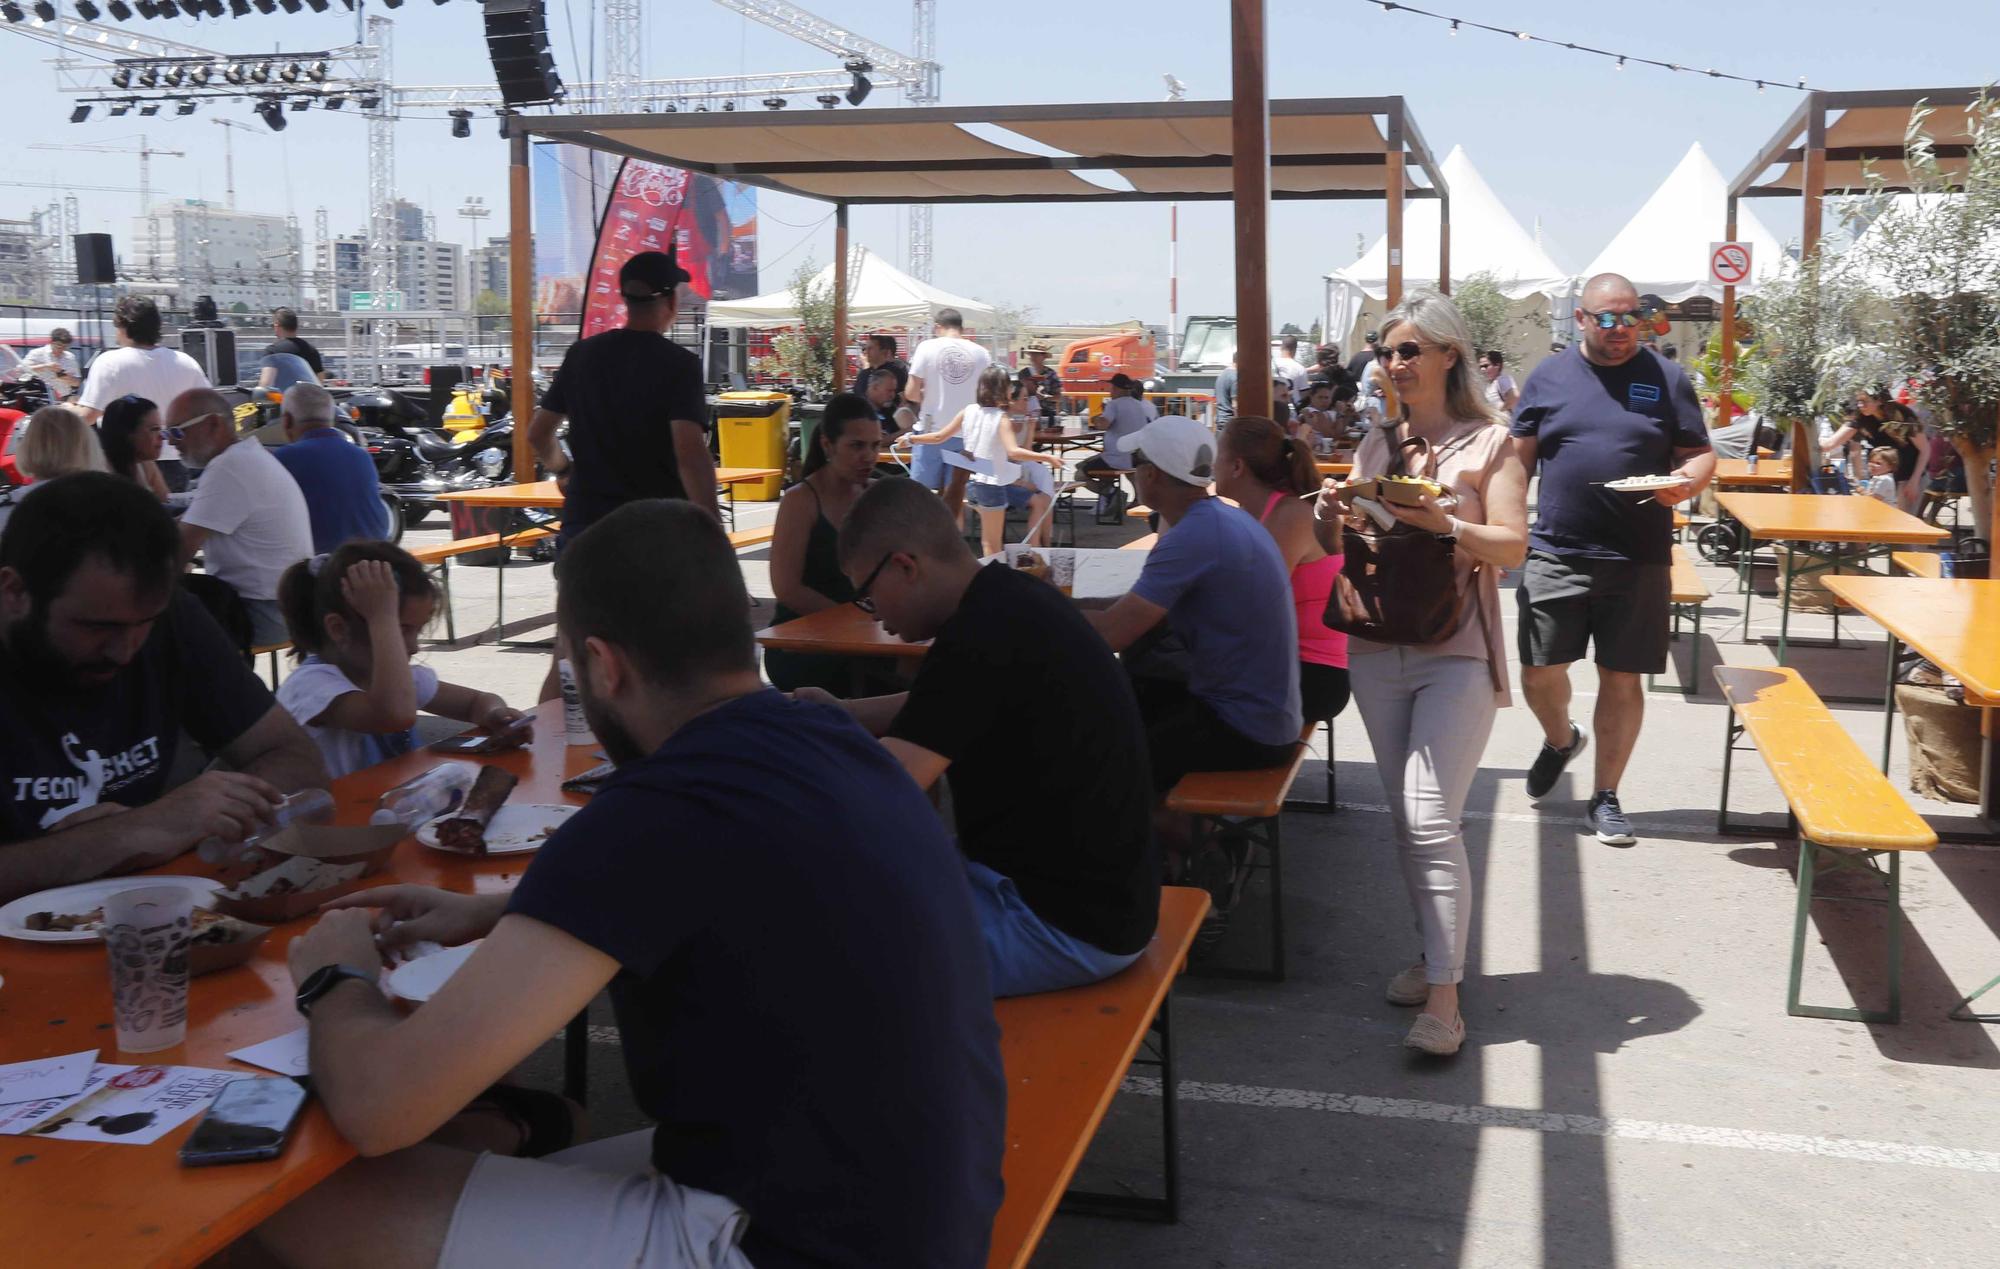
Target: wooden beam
{"x":1814,"y":177}
{"x":521,"y":299}
{"x":1250,"y":147}
{"x":840,"y":286}
{"x":1444,"y":245}
{"x":1392,"y":194}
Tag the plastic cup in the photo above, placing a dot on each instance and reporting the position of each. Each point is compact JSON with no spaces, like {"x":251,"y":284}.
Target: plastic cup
{"x":146,"y":932}
{"x":576,"y":727}
{"x":1062,"y":567}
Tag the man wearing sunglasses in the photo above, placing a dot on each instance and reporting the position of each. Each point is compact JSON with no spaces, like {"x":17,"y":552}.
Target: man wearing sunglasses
{"x":1599,"y":558}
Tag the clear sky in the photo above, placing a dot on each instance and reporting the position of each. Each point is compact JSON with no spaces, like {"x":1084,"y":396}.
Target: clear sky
{"x":1558,"y":135}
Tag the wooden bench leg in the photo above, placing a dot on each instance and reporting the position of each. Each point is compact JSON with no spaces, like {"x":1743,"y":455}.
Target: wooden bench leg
{"x":1166,"y":1208}
{"x":1892,"y":901}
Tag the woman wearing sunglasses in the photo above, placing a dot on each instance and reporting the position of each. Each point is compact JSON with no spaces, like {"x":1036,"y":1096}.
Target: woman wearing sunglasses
{"x":1429,"y":708}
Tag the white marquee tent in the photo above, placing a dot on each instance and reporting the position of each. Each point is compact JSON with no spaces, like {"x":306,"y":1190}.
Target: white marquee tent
{"x":879,"y":294}
{"x":1485,"y":238}
{"x":1664,"y":248}
{"x":1868,"y":260}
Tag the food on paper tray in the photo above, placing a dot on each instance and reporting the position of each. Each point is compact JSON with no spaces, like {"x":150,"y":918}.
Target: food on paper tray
{"x":466,"y":831}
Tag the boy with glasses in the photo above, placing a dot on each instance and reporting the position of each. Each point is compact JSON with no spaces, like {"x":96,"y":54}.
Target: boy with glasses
{"x":1599,"y":558}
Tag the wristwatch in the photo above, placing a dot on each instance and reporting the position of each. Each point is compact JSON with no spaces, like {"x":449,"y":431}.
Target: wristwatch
{"x":325,"y":979}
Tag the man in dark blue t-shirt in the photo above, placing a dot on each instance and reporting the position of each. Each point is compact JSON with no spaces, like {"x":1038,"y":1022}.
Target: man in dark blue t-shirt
{"x":791,"y":951}
{"x":1597,"y":574}
{"x":343,"y":492}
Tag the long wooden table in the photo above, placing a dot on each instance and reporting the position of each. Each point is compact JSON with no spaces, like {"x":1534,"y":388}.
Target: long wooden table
{"x":1735,"y":472}
{"x":840,"y":631}
{"x":79,"y":1203}
{"x":1837,"y":520}
{"x":543,"y":494}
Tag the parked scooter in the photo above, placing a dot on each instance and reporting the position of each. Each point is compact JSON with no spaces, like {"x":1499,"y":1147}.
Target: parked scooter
{"x":414,"y":464}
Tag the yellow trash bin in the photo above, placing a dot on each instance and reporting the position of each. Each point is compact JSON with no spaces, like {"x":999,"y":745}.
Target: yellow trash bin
{"x":752,"y":427}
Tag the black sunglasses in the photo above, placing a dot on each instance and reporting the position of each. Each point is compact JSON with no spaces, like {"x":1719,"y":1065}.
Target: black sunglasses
{"x":1612,"y":321}
{"x":862,"y":599}
{"x":1408,"y":350}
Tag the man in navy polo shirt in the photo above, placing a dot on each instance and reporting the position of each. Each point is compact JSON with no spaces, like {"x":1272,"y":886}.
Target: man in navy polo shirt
{"x":343,"y":496}
{"x":1598,"y":559}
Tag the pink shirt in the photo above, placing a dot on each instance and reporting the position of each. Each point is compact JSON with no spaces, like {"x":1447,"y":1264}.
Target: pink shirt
{"x":1312,"y":587}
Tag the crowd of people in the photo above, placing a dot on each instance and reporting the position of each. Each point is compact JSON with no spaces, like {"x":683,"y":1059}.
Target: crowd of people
{"x":792,"y":854}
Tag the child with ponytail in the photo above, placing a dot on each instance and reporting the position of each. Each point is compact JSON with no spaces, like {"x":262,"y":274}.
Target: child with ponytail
{"x":354,"y":618}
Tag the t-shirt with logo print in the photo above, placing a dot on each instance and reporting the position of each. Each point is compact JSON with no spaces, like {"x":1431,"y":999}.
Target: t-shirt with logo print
{"x":65,"y":749}
{"x":950,"y":366}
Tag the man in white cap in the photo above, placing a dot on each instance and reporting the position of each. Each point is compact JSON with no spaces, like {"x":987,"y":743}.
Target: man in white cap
{"x":1218,"y":584}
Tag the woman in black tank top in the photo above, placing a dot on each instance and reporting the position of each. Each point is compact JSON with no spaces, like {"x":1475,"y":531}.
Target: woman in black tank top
{"x":805,"y":561}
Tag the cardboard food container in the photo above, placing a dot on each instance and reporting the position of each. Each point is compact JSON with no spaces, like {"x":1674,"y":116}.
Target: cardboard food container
{"x":206,"y":957}
{"x":318,"y":863}
{"x":1405,"y":493}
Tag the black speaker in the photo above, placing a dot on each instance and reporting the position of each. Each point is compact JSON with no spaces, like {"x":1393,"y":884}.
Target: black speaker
{"x":94,"y":266}
{"x":517,"y":39}
{"x":214,"y":348}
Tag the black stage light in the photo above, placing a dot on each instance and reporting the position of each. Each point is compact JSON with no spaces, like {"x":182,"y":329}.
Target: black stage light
{"x":828,"y":101}
{"x":120,"y":11}
{"x":291,"y":73}
{"x":150,"y":109}
{"x":235,"y":74}
{"x":165,"y":8}
{"x":12,"y":12}
{"x":774,"y":103}
{"x":150,"y":77}
{"x":260,"y":74}
{"x":122,"y":77}
{"x":79,"y":114}
{"x":120,"y":107}
{"x":200,"y":75}
{"x":273,"y":114}
{"x":316,"y":72}
{"x":461,"y":123}
{"x":335,"y":102}
{"x":185,"y":108}
{"x":86,"y":10}
{"x":45,"y":11}
{"x":175,"y":75}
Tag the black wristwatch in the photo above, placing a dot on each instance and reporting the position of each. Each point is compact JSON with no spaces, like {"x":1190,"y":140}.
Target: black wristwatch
{"x":325,"y":979}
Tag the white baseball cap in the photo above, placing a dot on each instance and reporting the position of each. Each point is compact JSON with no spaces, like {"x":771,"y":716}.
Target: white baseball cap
{"x":1179,"y":446}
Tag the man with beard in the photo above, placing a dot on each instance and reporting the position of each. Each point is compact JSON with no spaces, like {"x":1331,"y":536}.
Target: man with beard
{"x":790,"y":948}
{"x":104,"y":662}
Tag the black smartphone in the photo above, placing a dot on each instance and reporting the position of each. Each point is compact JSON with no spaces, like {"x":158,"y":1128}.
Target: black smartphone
{"x":511,"y":736}
{"x":250,"y":1119}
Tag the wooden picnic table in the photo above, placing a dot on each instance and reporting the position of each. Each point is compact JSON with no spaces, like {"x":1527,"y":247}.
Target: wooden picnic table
{"x":1835,"y":519}
{"x":73,"y":1202}
{"x":1955,"y":623}
{"x":842,"y":631}
{"x":1736,"y":472}
{"x":543,"y":494}
{"x":1334,"y":466}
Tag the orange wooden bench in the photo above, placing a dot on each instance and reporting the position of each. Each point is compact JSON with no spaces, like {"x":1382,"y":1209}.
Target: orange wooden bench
{"x":1845,"y":812}
{"x":1917,"y":563}
{"x":437,"y":560}
{"x":1066,"y":1054}
{"x":1239,"y":812}
{"x":1686,"y":593}
{"x":742,"y":539}
{"x":1146,"y":543}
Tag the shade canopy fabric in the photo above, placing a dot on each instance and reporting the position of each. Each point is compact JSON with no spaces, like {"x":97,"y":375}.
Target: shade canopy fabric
{"x":1320,"y":148}
{"x":879,"y":294}
{"x":1867,"y":138}
{"x":1664,"y":248}
{"x":1485,"y":238}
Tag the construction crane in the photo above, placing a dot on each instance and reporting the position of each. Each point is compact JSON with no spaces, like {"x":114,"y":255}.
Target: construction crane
{"x":143,"y":150}
{"x":229,"y":157}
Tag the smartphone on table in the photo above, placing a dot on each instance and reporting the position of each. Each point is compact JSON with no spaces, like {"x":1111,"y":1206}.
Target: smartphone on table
{"x":250,"y":1119}
{"x":511,"y":736}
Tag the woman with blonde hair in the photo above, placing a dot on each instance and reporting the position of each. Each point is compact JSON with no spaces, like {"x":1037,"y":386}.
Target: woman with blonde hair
{"x":56,"y":442}
{"x":1429,"y":707}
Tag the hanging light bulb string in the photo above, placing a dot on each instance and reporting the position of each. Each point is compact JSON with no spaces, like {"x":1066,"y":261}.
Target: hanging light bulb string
{"x":1619,"y":59}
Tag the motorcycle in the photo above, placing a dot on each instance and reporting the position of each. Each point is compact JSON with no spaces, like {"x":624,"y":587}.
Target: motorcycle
{"x":414,"y":465}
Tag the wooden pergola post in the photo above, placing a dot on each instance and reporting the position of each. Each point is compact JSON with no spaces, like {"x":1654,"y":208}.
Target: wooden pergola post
{"x":839,"y":296}
{"x":1392,"y":195}
{"x":521,"y":298}
{"x":1250,"y":136}
{"x":1813,"y":182}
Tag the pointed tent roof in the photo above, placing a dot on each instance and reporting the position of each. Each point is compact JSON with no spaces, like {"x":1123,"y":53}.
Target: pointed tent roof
{"x":879,"y":294}
{"x":1664,"y":248}
{"x":1485,"y":238}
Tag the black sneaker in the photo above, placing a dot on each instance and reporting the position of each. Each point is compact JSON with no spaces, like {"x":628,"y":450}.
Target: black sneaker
{"x":1608,"y":818}
{"x":1549,"y":764}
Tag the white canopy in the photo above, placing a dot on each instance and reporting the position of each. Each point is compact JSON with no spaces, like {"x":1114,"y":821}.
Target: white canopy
{"x":1485,"y":238}
{"x":1869,"y":261}
{"x":1664,"y":248}
{"x":878,"y":294}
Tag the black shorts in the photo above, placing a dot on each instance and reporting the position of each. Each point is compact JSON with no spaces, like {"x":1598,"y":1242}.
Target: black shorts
{"x":1184,"y":734}
{"x":1323,"y":690}
{"x":1572,"y":603}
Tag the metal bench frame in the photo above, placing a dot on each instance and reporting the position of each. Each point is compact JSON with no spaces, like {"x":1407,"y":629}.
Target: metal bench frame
{"x":1156,"y":1050}
{"x":1263,"y":842}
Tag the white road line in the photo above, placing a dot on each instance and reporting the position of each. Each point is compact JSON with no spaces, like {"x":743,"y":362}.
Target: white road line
{"x":1578,"y":1125}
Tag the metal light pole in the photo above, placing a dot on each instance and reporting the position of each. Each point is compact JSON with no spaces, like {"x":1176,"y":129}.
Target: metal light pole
{"x":1176,"y":91}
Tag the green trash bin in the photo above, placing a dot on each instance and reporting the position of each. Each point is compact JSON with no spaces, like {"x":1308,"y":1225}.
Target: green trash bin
{"x":752,"y":429}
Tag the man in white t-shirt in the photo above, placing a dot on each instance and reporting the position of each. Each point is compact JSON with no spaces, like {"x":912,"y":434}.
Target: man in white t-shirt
{"x":248,"y":518}
{"x":1287,"y":366}
{"x":55,"y":365}
{"x":139,"y":367}
{"x":944,"y":378}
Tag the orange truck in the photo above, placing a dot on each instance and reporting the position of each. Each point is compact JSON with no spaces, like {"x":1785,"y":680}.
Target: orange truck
{"x":1088,"y":364}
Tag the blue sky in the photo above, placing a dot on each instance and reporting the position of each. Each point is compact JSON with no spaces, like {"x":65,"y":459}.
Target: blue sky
{"x":1558,"y":135}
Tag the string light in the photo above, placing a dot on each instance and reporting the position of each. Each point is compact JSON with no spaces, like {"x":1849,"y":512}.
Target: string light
{"x":1618,"y":59}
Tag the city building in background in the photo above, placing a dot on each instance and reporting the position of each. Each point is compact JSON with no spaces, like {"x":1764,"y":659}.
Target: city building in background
{"x":430,"y":276}
{"x":191,"y":248}
{"x":23,"y":277}
{"x":486,"y":270}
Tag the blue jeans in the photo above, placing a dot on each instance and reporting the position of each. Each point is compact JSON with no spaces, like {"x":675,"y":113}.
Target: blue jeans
{"x":927,"y":462}
{"x":1026,"y":953}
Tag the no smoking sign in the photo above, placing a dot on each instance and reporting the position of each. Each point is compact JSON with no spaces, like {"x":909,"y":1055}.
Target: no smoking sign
{"x":1729,"y":262}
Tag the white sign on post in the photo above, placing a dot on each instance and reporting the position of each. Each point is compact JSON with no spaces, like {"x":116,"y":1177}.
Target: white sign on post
{"x":1729,"y":262}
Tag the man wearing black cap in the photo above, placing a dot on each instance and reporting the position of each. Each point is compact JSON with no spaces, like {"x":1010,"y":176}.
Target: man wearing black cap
{"x":1362,"y":362}
{"x":635,"y":404}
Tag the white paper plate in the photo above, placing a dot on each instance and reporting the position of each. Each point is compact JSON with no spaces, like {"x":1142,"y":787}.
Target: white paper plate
{"x":418,"y":980}
{"x":81,"y":898}
{"x":516,"y":830}
{"x":1645,"y":484}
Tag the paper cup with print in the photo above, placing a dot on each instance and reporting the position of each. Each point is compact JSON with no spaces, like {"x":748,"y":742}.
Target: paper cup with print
{"x":146,"y":932}
{"x":576,"y":727}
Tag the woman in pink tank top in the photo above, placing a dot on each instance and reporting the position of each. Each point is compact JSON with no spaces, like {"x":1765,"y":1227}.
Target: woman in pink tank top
{"x":1258,"y":468}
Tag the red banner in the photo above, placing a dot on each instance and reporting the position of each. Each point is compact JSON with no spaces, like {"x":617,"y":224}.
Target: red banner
{"x":711,"y":224}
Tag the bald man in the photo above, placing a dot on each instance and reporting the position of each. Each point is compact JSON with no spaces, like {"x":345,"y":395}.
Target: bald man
{"x":248,"y":519}
{"x":1598,"y":561}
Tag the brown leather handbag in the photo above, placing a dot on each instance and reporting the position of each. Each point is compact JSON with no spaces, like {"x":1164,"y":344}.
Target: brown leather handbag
{"x":1403,"y":579}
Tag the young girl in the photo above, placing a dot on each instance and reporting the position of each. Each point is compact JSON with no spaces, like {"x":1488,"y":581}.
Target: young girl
{"x":1881,"y":482}
{"x":354,"y":618}
{"x":990,"y":438}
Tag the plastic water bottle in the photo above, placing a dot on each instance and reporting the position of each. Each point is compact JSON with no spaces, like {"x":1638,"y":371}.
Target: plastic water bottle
{"x":307,"y":806}
{"x":423,"y":798}
{"x":1947,"y":564}
{"x":1751,"y":462}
